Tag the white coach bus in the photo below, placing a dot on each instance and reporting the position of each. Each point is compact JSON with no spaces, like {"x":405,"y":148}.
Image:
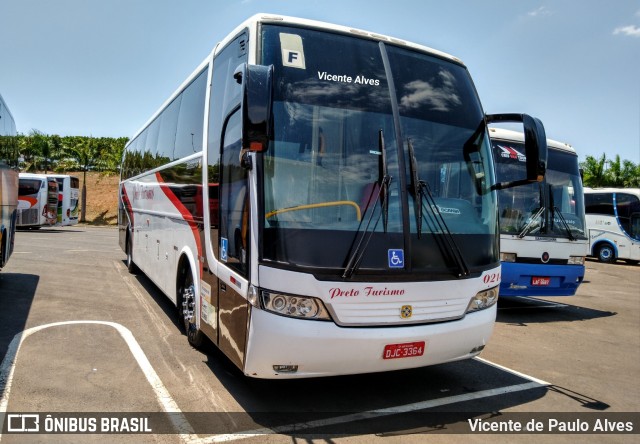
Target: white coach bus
{"x":37,"y":201}
{"x":319,"y":200}
{"x":613,"y":220}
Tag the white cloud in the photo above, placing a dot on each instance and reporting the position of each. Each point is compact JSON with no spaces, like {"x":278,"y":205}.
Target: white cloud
{"x":630,"y":30}
{"x":541,"y":11}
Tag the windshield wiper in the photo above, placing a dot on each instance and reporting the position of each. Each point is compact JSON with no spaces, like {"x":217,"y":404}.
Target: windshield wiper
{"x":383,"y":179}
{"x":538,"y":214}
{"x":357,"y":253}
{"x":421,"y":190}
{"x":554,"y":208}
{"x":529,"y":225}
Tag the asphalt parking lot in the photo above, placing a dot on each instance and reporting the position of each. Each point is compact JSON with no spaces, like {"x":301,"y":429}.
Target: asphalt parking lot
{"x":81,"y":338}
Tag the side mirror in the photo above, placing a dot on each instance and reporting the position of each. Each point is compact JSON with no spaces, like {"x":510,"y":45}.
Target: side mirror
{"x":257,"y":100}
{"x":535,"y":145}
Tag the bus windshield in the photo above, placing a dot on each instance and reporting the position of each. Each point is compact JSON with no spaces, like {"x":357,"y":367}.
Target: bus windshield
{"x":335,"y":140}
{"x":553,"y":207}
{"x":29,"y":187}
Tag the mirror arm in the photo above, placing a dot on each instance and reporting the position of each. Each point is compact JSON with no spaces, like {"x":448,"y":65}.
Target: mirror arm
{"x":504,"y":185}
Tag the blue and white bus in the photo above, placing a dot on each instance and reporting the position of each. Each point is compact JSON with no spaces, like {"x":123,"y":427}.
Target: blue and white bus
{"x":613,"y":221}
{"x":543,"y":240}
{"x":320,"y":200}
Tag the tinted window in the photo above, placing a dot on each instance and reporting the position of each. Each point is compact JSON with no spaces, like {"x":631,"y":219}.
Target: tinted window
{"x":8,"y":140}
{"x":28,"y":187}
{"x":190,"y":120}
{"x":599,"y":203}
{"x":628,"y":207}
{"x":334,"y":97}
{"x":225,"y":94}
{"x":234,"y":199}
{"x":152,"y":137}
{"x":167,"y":135}
{"x":128,"y":162}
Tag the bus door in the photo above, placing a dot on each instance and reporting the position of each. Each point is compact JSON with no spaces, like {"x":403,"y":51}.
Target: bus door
{"x":63,"y":194}
{"x":234,"y":244}
{"x":74,"y":193}
{"x":51,"y":209}
{"x":224,"y":311}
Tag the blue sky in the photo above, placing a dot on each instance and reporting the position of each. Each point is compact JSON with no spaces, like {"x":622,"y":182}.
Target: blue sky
{"x":102,"y":67}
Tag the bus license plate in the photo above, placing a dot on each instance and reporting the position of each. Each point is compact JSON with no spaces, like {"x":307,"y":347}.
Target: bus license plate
{"x":537,"y":281}
{"x":407,"y":350}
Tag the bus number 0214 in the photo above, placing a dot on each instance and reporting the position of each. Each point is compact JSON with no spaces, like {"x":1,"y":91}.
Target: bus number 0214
{"x":491,"y":278}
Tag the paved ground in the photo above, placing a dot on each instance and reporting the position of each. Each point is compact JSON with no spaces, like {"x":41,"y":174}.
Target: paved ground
{"x":94,"y":339}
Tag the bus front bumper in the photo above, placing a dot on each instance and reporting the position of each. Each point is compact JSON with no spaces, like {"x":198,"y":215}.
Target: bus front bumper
{"x":518,"y":279}
{"x":320,"y":348}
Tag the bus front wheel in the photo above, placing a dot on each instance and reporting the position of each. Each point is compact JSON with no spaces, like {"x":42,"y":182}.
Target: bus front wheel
{"x":606,"y":254}
{"x":187,"y":309}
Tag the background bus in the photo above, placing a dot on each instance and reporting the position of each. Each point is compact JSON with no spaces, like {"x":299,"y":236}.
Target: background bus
{"x":37,"y":201}
{"x":8,"y":182}
{"x":68,"y":192}
{"x":613,"y":221}
{"x":345,"y":197}
{"x":543,"y":241}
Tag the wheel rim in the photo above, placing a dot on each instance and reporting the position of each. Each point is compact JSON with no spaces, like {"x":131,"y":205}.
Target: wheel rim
{"x":188,"y":304}
{"x":606,"y":253}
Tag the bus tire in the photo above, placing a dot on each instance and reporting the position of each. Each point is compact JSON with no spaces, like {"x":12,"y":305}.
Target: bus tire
{"x":187,"y":307}
{"x":131,"y":265}
{"x":606,"y":254}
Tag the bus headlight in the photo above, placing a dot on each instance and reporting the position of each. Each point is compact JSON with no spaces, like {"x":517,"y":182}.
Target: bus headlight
{"x":294,"y":306}
{"x":508,"y":257}
{"x":484,"y":299}
{"x":576,"y":260}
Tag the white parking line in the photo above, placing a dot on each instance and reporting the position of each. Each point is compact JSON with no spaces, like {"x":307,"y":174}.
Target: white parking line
{"x":163,"y":396}
{"x":513,"y":372}
{"x":185,"y":430}
{"x":371,"y":414}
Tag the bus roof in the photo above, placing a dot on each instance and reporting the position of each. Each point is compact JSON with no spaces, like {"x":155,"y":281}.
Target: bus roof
{"x":32,"y":176}
{"x":635,"y":191}
{"x":518,"y":136}
{"x":252,"y":22}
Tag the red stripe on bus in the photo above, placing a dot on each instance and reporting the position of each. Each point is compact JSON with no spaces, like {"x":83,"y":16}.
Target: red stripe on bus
{"x":185,"y":213}
{"x":128,"y":208}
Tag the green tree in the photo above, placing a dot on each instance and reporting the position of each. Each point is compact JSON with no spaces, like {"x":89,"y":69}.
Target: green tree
{"x":42,"y":147}
{"x":616,"y":173}
{"x":613,"y":174}
{"x":594,"y":171}
{"x":630,"y":174}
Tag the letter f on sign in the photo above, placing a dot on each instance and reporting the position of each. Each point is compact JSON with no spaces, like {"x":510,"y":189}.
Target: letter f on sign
{"x":292,"y":50}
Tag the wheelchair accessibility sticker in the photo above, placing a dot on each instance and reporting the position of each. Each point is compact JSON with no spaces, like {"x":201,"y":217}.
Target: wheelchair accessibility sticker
{"x":224,"y":245}
{"x":396,"y":258}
